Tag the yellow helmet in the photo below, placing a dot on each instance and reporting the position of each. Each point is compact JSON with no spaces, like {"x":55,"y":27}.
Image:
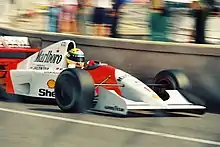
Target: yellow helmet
{"x":75,"y":56}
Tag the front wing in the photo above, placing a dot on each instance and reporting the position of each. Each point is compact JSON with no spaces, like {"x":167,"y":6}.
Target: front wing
{"x":109,"y":101}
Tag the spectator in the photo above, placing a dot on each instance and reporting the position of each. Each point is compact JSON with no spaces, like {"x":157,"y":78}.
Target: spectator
{"x":158,"y":18}
{"x":201,"y":10}
{"x":53,"y":15}
{"x":100,"y":19}
{"x":88,"y":17}
{"x":68,"y":14}
{"x":81,"y":21}
{"x":109,"y":20}
{"x":117,"y":4}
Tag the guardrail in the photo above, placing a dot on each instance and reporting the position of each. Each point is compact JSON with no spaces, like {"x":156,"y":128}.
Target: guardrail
{"x":145,"y":58}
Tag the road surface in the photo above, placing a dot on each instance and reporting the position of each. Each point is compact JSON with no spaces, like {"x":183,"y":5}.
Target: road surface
{"x":36,"y":125}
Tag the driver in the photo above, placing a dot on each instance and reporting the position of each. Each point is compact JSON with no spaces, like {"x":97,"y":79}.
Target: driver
{"x":75,"y":58}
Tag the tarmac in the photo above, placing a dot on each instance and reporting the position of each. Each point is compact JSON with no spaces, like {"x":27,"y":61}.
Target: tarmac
{"x":39,"y":125}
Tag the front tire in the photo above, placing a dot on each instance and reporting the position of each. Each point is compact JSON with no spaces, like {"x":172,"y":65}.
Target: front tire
{"x":74,"y":90}
{"x":172,"y":79}
{"x":175,"y":79}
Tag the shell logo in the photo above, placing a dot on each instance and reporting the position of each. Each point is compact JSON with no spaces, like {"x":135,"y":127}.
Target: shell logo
{"x":51,"y":83}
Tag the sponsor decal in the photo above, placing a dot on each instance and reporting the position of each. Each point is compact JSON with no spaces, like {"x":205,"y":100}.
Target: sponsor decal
{"x":154,"y":96}
{"x":46,"y":92}
{"x":51,"y":83}
{"x":48,"y":57}
{"x":63,"y":43}
{"x":114,"y":108}
{"x":123,"y":77}
{"x":59,"y":68}
{"x":38,"y":67}
{"x":52,"y":72}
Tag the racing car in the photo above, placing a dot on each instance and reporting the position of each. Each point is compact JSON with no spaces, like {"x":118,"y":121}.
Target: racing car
{"x":98,"y":87}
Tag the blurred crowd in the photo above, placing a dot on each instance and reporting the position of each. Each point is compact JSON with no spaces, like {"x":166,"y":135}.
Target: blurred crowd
{"x":103,"y":16}
{"x":72,"y":16}
{"x":202,"y":9}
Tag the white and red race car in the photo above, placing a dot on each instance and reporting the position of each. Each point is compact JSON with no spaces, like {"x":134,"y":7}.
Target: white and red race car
{"x":98,"y":87}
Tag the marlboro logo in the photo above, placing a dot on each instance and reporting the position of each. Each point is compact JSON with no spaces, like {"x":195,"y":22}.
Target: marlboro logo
{"x":48,"y":57}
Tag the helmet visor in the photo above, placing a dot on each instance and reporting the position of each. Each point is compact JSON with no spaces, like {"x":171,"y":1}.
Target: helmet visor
{"x":76,"y":59}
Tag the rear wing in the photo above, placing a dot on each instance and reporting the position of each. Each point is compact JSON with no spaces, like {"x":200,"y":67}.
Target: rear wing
{"x":19,"y":42}
{"x":14,"y":49}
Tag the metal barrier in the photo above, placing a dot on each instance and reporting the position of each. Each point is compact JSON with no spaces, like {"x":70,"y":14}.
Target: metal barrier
{"x":145,"y":58}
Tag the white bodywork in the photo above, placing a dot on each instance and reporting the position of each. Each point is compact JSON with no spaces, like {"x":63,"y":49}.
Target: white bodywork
{"x":138,"y":96}
{"x":32,"y":75}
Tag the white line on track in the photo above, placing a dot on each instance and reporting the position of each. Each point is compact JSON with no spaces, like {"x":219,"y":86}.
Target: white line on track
{"x":113,"y":127}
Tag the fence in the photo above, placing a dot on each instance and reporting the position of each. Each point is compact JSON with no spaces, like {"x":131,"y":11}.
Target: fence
{"x":135,"y":21}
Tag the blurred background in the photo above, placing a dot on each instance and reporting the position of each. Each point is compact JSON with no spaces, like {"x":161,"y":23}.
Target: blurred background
{"x":194,"y":21}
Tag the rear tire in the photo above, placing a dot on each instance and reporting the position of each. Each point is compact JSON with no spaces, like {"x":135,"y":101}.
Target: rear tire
{"x":74,"y":90}
{"x":3,"y":94}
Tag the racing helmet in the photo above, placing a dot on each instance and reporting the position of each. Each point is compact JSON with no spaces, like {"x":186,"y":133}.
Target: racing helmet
{"x":75,"y":56}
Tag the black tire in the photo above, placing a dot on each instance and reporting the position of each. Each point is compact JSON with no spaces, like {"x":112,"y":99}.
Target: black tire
{"x":74,"y":90}
{"x":3,"y":94}
{"x":174,"y":78}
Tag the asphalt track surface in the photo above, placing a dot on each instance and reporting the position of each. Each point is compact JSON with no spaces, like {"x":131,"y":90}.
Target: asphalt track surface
{"x":36,"y":125}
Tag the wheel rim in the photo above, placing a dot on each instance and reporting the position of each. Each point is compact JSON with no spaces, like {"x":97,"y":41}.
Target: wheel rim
{"x":169,"y":85}
{"x":161,"y":91}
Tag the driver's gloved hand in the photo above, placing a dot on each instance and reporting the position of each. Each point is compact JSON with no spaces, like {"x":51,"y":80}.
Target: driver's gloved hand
{"x":90,"y":63}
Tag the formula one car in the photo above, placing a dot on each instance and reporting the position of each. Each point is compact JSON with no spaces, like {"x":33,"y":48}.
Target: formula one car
{"x":98,"y":87}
